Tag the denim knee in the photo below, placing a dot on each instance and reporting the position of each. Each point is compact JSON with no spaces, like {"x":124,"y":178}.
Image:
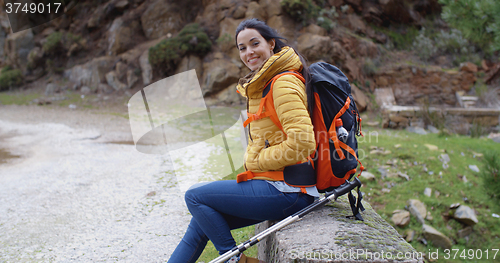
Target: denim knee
{"x":191,"y":194}
{"x":190,"y":197}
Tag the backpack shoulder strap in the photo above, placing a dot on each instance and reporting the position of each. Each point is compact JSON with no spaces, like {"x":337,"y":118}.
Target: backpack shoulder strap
{"x":267,"y":101}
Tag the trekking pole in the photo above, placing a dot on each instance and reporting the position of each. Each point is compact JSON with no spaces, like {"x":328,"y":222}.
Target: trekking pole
{"x":341,"y":190}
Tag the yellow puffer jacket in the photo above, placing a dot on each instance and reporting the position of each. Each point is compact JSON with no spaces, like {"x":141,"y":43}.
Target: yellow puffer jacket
{"x":268,"y":148}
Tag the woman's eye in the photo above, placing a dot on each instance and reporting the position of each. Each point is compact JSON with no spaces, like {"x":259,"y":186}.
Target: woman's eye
{"x":242,"y":48}
{"x":256,"y":43}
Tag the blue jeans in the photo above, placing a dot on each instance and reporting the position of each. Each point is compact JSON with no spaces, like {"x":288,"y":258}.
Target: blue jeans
{"x":218,"y":207}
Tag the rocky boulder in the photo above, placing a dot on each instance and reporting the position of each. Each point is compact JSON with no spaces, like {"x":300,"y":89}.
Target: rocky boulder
{"x":113,"y":81}
{"x":356,"y":24}
{"x":254,"y":10}
{"x":97,"y":17}
{"x":368,"y":176}
{"x":161,"y":18}
{"x":315,"y":47}
{"x":228,"y":96}
{"x":191,"y":62}
{"x":417,"y":209}
{"x":17,"y":47}
{"x":360,"y":98}
{"x":401,"y":218}
{"x":436,"y":237}
{"x":91,"y":73}
{"x":119,"y":37}
{"x":283,"y":24}
{"x":271,"y":7}
{"x":465,"y":215}
{"x":219,"y":74}
{"x":226,"y":37}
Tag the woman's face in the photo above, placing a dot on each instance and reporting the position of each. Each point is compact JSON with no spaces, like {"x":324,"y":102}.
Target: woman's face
{"x":254,"y":49}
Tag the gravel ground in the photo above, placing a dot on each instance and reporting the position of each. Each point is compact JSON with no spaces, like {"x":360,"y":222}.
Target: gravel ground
{"x":72,"y":195}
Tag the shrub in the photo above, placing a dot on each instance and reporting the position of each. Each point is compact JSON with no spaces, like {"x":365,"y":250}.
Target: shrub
{"x":491,"y":172}
{"x":301,"y":10}
{"x":370,"y":67}
{"x":10,"y":77}
{"x":190,"y":40}
{"x":401,"y":38}
{"x":434,"y":118}
{"x":225,"y":42}
{"x":453,"y":42}
{"x":193,"y":39}
{"x":54,"y":41}
{"x":58,"y":42}
{"x":424,"y":46}
{"x":164,"y":53}
{"x":325,"y":17}
{"x":478,"y":20}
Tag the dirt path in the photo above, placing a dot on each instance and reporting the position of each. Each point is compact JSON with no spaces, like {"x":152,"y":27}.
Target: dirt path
{"x":71,"y":195}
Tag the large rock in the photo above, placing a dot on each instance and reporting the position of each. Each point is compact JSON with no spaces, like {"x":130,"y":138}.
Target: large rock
{"x":132,"y":78}
{"x":360,"y":98}
{"x":352,"y":69}
{"x":91,"y":73}
{"x":17,"y":47}
{"x":254,"y":10}
{"x":284,"y":25}
{"x":356,"y":24}
{"x":400,"y":218}
{"x":191,"y":62}
{"x":114,"y":82}
{"x":368,"y":176}
{"x":465,"y":215}
{"x":314,"y":29}
{"x":417,"y":209}
{"x":315,"y":47}
{"x":326,"y":234}
{"x":228,"y":96}
{"x":161,"y":18}
{"x":218,"y":75}
{"x":119,"y":37}
{"x":272,"y":7}
{"x":436,"y":237}
{"x":227,"y":31}
{"x":97,"y":17}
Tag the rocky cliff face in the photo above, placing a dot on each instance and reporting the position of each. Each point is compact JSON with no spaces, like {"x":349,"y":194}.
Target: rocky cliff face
{"x":104,"y":45}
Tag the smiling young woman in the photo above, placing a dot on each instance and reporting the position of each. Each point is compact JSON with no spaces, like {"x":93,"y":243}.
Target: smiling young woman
{"x":218,"y":207}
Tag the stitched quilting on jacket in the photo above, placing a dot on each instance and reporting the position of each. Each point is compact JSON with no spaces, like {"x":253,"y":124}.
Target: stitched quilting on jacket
{"x":269,"y":149}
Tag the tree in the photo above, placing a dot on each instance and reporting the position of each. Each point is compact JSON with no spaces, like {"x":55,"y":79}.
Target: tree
{"x":479,"y":20}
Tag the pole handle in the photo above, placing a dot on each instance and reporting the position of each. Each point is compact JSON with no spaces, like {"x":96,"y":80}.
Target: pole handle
{"x":346,"y":187}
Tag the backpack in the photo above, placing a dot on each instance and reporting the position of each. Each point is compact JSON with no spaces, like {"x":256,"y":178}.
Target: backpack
{"x":336,"y":122}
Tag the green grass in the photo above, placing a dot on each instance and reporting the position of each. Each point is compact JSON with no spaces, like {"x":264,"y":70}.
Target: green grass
{"x":17,"y":98}
{"x":28,"y":98}
{"x":410,"y":157}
